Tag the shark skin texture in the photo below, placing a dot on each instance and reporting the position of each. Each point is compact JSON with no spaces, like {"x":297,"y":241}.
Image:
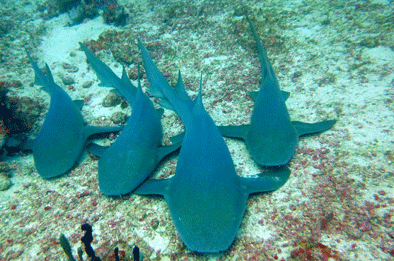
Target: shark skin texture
{"x":63,"y":136}
{"x":137,"y":151}
{"x":206,"y":197}
{"x":271,"y":136}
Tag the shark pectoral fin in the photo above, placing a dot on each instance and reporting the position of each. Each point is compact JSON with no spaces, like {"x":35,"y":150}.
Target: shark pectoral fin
{"x":166,"y":104}
{"x":155,"y":92}
{"x":153,"y":187}
{"x":165,"y":150}
{"x":177,"y":138}
{"x":92,"y":130}
{"x":234,"y":131}
{"x":285,"y":95}
{"x":269,"y":180}
{"x":310,"y":128}
{"x":79,"y":103}
{"x":254,"y":95}
{"x":160,"y":112}
{"x":27,"y":145}
{"x":96,"y":149}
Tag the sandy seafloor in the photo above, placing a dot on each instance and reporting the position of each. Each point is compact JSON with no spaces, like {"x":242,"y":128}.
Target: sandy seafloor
{"x":336,"y":58}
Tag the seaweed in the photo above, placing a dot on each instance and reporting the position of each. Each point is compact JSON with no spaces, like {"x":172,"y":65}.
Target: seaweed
{"x":87,"y":239}
{"x":66,"y":247}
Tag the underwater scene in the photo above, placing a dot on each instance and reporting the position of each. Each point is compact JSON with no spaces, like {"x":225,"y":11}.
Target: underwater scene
{"x":196,"y":130}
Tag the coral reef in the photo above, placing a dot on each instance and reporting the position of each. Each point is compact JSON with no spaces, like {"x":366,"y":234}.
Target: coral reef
{"x":17,"y":116}
{"x":323,"y":50}
{"x":111,"y":100}
{"x":79,"y":10}
{"x":5,"y":175}
{"x":116,"y":15}
{"x":5,"y":26}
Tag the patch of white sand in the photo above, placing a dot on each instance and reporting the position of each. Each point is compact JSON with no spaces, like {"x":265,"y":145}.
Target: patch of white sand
{"x":379,"y":55}
{"x":61,"y":39}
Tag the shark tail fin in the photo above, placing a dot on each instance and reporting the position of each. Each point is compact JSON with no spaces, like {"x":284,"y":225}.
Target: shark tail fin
{"x":40,"y":78}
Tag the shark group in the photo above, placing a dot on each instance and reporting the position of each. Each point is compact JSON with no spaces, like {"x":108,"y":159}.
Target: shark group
{"x":206,"y":197}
